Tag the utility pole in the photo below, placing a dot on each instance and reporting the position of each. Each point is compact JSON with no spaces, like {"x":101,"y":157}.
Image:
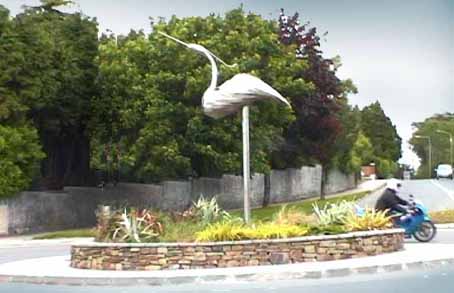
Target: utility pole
{"x":430,"y":152}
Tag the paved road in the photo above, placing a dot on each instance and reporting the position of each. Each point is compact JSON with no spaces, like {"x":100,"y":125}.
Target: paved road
{"x":21,"y":253}
{"x":435,"y":194}
{"x":419,"y":281}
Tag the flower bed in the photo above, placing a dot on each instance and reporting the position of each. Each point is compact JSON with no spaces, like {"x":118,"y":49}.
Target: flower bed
{"x":161,"y":256}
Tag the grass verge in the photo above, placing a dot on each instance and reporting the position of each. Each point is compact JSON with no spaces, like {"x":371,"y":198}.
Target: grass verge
{"x":73,"y":233}
{"x":266,"y":214}
{"x":442,"y":217}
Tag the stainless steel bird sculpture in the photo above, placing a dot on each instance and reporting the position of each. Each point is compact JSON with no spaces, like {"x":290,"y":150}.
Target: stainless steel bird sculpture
{"x":234,"y":94}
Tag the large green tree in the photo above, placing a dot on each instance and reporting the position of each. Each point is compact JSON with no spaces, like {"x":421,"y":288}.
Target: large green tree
{"x":381,"y":132}
{"x":151,"y":91}
{"x":49,"y":79}
{"x":312,"y":135}
{"x":20,"y":151}
{"x":383,"y":136}
{"x":430,"y":127}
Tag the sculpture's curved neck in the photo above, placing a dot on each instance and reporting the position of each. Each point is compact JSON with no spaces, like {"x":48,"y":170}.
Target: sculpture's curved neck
{"x":214,"y":70}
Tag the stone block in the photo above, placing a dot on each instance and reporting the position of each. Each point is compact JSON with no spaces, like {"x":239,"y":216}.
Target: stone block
{"x":279,"y":258}
{"x":295,"y":255}
{"x":153,"y":268}
{"x":162,"y":250}
{"x":233,"y":263}
{"x":309,"y":249}
{"x":253,"y":262}
{"x":327,"y":243}
{"x":343,"y":246}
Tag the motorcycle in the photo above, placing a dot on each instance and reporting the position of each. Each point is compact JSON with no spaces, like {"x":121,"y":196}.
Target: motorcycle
{"x":417,"y":222}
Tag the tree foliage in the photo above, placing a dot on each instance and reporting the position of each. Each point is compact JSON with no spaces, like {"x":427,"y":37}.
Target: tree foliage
{"x":381,"y":132}
{"x":440,"y":141}
{"x":316,"y":127}
{"x":134,"y":102}
{"x":48,"y":57}
{"x":155,"y":88}
{"x":383,"y":136}
{"x":20,"y":153}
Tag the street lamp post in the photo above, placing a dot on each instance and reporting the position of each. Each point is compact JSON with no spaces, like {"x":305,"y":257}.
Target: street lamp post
{"x":430,"y":152}
{"x":450,"y":144}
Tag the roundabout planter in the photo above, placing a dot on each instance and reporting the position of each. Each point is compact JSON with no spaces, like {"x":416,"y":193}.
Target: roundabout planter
{"x":161,"y":256}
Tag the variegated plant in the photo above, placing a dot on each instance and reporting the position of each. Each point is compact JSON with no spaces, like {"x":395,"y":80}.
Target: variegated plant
{"x":333,"y":213}
{"x":137,"y":226}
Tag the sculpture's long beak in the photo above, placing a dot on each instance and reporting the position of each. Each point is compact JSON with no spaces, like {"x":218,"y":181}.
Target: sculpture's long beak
{"x":199,"y":48}
{"x":175,"y":39}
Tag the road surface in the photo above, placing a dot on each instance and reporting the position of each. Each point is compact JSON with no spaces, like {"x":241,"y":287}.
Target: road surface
{"x":20,"y":253}
{"x":418,"y":281}
{"x":435,"y":194}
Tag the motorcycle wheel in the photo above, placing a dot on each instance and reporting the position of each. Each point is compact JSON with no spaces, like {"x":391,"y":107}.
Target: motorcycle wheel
{"x":426,"y":232}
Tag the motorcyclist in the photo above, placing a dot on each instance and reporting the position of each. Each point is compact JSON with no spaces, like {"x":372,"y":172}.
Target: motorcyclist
{"x":390,"y":200}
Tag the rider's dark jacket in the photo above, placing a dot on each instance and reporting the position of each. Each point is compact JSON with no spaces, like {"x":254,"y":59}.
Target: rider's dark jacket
{"x":389,"y":200}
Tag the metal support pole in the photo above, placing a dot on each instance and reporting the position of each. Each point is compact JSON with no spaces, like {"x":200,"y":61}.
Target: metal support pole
{"x":246,"y":165}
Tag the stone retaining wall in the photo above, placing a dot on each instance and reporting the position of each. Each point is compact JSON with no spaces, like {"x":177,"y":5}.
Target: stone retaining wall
{"x":161,"y":256}
{"x":74,"y":207}
{"x":336,"y":181}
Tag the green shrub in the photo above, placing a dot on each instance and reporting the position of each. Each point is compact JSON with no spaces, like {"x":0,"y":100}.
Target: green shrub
{"x":327,"y":229}
{"x":275,"y":231}
{"x":179,"y":231}
{"x":371,"y":220}
{"x":20,"y":154}
{"x":236,"y":230}
{"x":222,"y":231}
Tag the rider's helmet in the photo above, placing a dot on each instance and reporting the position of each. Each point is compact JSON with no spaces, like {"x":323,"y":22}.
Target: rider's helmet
{"x":394,"y":184}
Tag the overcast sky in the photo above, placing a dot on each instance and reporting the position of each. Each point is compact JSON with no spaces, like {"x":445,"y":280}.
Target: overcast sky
{"x":400,"y":53}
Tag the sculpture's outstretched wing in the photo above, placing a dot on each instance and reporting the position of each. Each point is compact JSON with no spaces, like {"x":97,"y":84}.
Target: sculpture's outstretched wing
{"x":245,"y":88}
{"x":241,"y":90}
